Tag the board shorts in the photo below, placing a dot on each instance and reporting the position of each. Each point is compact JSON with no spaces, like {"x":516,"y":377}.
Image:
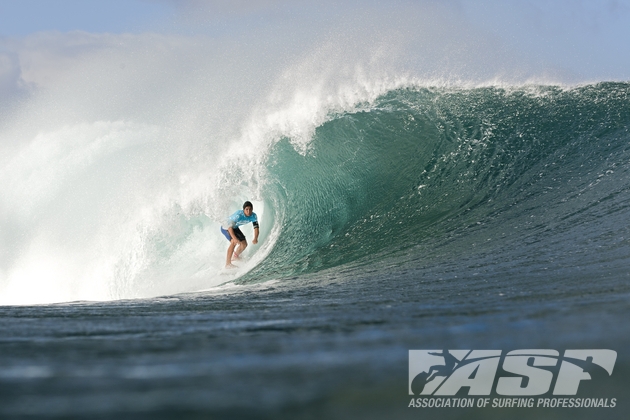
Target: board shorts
{"x":237,"y":232}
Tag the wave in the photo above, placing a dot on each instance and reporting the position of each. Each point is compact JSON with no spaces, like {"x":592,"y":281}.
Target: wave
{"x":403,"y":175}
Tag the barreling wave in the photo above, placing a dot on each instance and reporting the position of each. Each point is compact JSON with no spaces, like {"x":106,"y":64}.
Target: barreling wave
{"x":410,"y":177}
{"x":427,"y":174}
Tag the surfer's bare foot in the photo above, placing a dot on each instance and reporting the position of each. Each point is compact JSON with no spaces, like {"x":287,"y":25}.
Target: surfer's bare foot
{"x":230,"y":266}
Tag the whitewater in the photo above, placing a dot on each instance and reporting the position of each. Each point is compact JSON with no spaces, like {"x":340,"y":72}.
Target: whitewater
{"x":401,"y":206}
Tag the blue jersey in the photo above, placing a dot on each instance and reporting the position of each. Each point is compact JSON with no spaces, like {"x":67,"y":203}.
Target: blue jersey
{"x":239,"y":219}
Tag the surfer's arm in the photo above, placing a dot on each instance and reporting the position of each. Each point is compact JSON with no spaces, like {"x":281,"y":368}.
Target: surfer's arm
{"x":256,"y":229}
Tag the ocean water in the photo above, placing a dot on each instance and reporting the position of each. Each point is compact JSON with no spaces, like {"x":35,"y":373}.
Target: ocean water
{"x":395,"y":216}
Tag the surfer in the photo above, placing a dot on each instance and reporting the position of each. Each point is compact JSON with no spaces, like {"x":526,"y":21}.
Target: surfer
{"x":233,"y":234}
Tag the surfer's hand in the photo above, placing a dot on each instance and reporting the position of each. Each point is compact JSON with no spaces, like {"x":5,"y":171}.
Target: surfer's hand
{"x":255,"y":241}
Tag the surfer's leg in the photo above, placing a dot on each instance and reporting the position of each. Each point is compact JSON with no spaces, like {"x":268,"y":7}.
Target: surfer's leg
{"x":230,"y":251}
{"x":239,"y":250}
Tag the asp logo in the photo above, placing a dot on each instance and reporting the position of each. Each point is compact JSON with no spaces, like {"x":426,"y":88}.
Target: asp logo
{"x":528,"y":372}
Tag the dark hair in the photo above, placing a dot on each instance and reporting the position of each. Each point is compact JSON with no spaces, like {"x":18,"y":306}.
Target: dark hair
{"x":248,"y":204}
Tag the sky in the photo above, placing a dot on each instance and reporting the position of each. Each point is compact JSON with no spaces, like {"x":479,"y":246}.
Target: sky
{"x":21,"y":18}
{"x":590,"y":38}
{"x":587,"y":40}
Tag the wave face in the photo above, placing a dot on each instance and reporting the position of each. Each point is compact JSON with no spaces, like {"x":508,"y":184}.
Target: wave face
{"x":521,"y":178}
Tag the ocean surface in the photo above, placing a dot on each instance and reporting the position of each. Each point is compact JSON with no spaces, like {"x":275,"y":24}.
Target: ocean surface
{"x":418,"y":217}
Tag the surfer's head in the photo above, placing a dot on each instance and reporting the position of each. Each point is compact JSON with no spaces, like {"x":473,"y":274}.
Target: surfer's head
{"x":248,"y":208}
